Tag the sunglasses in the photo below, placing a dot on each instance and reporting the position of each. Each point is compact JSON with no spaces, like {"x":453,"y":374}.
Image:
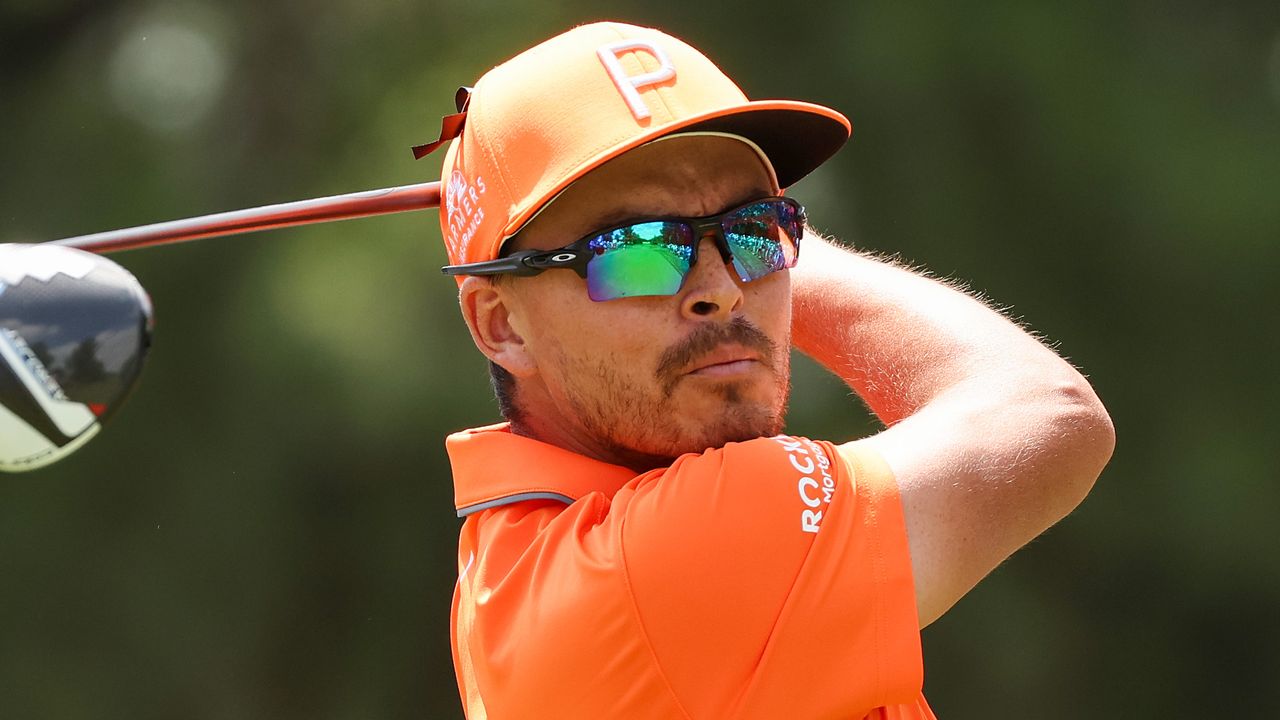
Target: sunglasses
{"x":653,"y":257}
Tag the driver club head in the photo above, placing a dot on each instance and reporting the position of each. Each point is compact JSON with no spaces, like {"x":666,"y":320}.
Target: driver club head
{"x":74,"y":332}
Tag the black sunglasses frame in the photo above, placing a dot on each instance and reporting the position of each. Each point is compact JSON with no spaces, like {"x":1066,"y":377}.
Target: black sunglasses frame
{"x":576,"y":255}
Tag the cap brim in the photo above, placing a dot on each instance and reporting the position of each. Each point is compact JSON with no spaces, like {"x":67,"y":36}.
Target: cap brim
{"x":796,"y":136}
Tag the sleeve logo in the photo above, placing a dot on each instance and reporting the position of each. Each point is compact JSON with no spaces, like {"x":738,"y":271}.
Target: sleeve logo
{"x":815,"y":486}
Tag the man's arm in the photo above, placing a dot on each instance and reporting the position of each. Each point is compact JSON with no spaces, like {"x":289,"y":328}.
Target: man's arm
{"x":992,"y":436}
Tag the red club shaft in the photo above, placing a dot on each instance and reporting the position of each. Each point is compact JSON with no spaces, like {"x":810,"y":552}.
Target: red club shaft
{"x":301,"y":212}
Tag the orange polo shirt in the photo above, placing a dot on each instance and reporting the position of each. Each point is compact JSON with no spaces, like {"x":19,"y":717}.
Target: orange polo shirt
{"x":765,"y":579}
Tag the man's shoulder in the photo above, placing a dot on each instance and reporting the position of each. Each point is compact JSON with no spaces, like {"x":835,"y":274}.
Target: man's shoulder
{"x":782,"y":460}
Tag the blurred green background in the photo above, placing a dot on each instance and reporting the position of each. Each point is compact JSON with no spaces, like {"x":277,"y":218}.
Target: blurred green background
{"x":266,"y":531}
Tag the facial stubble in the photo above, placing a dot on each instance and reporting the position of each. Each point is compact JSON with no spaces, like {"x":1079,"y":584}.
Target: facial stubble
{"x":642,"y":429}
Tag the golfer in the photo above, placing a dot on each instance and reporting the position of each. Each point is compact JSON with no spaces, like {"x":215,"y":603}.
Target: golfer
{"x":642,"y":540}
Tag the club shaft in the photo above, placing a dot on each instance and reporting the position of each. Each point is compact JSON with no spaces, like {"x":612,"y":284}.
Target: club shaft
{"x":301,"y":212}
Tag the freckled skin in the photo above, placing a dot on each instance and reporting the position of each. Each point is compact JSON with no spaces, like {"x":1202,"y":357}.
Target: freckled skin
{"x":591,"y":375}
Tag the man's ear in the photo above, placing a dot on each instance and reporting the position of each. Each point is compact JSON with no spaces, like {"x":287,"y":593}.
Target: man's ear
{"x":487,"y":308}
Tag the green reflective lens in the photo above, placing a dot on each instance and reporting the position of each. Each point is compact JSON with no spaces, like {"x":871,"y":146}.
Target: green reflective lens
{"x":649,"y":258}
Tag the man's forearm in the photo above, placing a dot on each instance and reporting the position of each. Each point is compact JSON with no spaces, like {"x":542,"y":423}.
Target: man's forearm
{"x":902,"y":340}
{"x":992,"y":436}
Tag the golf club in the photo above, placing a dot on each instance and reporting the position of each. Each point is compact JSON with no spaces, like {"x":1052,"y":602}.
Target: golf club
{"x":74,"y":331}
{"x":75,"y":327}
{"x":269,"y":217}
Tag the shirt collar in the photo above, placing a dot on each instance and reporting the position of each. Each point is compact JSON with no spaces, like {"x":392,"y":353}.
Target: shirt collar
{"x":493,"y":466}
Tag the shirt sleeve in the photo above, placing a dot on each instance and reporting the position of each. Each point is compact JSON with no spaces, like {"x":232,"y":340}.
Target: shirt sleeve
{"x":774,"y":575}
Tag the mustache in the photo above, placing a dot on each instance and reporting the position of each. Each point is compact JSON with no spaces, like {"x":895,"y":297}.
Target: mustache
{"x":708,"y":337}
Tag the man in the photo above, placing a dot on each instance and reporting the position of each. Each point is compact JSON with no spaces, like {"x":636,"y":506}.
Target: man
{"x":640,"y":541}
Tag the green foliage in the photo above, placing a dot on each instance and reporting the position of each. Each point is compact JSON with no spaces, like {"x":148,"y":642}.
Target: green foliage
{"x":266,"y":530}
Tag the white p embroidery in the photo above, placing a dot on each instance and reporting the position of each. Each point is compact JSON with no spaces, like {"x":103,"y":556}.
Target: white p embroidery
{"x":629,"y":86}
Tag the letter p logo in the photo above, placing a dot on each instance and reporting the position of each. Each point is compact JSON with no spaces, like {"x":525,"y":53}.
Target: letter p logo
{"x":629,"y":86}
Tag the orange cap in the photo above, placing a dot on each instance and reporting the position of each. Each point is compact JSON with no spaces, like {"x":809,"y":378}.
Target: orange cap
{"x":548,"y":116}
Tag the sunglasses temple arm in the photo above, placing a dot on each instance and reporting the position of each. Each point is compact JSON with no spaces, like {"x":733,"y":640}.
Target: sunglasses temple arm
{"x":527,"y":262}
{"x":511,"y":265}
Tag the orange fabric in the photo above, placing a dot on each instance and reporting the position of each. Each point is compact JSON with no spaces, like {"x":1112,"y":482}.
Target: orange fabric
{"x":764,"y":579}
{"x":546,"y":117}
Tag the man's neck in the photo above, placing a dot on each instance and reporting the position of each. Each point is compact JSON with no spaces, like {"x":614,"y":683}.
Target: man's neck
{"x":581,"y":443}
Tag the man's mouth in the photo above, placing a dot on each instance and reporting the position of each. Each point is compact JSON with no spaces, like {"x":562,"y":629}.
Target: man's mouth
{"x":719,"y":351}
{"x":725,"y":360}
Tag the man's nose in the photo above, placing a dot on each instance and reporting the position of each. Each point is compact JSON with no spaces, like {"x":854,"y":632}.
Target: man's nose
{"x":711,"y":289}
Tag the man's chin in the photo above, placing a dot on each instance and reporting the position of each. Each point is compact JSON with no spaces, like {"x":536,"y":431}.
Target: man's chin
{"x":693,"y":420}
{"x":736,"y":423}
{"x":733,"y":412}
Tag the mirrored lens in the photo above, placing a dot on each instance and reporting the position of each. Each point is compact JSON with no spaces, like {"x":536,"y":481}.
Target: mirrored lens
{"x":762,"y":238}
{"x":643,"y":259}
